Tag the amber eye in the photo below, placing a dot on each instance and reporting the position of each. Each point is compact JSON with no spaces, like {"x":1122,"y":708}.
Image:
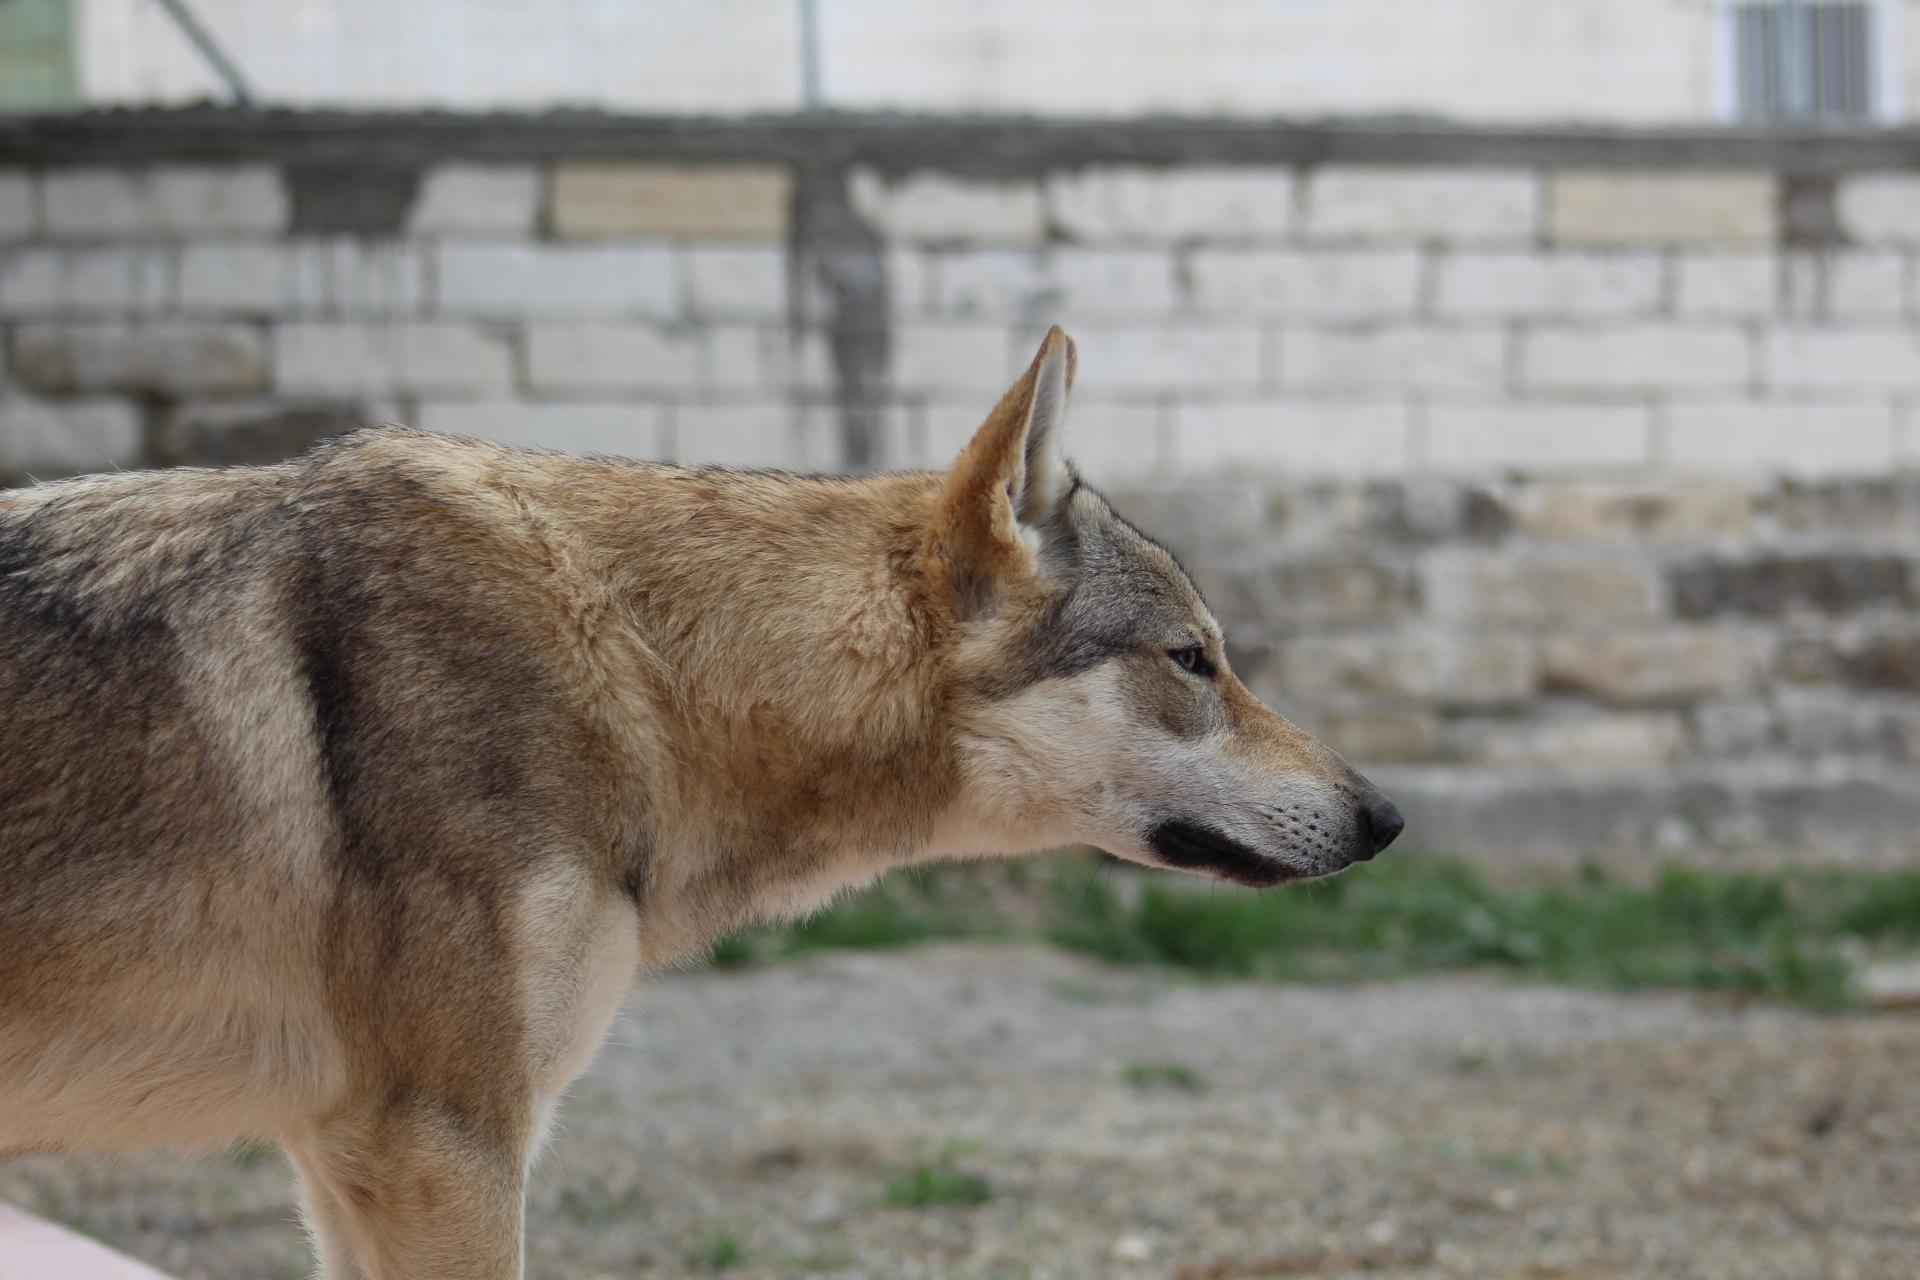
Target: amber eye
{"x":1192,"y":659}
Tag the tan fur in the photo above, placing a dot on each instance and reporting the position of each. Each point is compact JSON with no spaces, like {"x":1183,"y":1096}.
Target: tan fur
{"x":341,"y":800}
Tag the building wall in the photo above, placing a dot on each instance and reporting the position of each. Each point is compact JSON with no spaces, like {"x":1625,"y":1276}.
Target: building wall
{"x":1571,"y":482}
{"x":1505,"y":60}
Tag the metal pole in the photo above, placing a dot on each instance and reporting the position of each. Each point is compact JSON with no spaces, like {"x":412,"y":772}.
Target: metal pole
{"x":811,"y":96}
{"x":209,"y":49}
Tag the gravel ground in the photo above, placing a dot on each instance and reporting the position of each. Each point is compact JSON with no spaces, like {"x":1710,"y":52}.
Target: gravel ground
{"x":1457,"y":1128}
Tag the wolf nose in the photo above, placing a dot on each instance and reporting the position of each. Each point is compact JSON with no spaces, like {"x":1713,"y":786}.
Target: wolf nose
{"x":1381,"y":823}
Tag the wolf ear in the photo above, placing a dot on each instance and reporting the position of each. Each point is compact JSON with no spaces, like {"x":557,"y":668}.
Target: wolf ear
{"x":1006,"y":496}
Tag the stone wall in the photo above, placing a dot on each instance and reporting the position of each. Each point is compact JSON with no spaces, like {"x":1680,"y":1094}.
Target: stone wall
{"x":1569,"y":480}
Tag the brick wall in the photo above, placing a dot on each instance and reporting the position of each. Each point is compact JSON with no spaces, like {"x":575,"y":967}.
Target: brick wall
{"x":1570,"y":480}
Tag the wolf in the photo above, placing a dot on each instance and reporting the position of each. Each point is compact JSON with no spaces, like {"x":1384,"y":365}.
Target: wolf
{"x":341,"y":800}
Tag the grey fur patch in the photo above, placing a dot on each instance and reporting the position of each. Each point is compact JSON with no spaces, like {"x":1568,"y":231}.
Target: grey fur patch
{"x":1123,"y":594}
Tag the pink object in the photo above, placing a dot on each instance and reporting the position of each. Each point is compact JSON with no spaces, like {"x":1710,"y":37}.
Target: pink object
{"x":31,"y":1249}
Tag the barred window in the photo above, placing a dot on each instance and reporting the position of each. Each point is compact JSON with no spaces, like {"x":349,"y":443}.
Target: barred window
{"x":1804,"y":60}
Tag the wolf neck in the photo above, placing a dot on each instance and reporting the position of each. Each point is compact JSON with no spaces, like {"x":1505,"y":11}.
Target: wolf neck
{"x":788,"y":665}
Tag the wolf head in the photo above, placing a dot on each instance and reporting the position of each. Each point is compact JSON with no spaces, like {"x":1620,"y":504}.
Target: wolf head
{"x":1095,"y":701}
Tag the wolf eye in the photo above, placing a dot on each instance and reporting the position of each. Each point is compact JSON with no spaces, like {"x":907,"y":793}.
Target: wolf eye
{"x":1192,"y":659}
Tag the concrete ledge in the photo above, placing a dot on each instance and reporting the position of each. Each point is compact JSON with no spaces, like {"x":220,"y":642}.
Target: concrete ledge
{"x":31,"y":1249}
{"x":1747,"y":817}
{"x":976,"y":145}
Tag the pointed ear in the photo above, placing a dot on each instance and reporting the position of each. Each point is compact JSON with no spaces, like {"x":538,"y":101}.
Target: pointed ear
{"x":1007,"y":493}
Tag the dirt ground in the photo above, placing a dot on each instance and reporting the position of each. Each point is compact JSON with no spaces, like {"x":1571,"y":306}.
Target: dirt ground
{"x":1136,"y":1124}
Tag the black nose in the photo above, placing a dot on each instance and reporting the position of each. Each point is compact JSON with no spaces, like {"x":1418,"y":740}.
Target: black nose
{"x":1381,"y":823}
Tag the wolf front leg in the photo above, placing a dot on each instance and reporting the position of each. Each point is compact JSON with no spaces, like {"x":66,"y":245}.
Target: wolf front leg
{"x":325,"y":1218}
{"x":418,"y":1192}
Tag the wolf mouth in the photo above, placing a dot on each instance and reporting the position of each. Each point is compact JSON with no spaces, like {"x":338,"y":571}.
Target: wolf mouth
{"x":1195,"y":848}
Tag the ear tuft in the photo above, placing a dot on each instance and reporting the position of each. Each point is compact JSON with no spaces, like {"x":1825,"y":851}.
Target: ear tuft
{"x":1012,"y":480}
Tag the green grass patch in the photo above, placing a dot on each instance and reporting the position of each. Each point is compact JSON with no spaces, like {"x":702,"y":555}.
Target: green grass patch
{"x":809,"y":1262}
{"x":593,"y":1204}
{"x":1522,"y":1161}
{"x":1787,"y":935}
{"x":1162,"y":1075}
{"x":917,"y":904}
{"x":1795,"y":936}
{"x":934,"y":1184}
{"x":719,"y":1251}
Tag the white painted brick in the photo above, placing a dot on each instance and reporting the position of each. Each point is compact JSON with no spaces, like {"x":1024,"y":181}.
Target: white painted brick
{"x":345,"y":276}
{"x":44,"y":438}
{"x":1842,"y":361}
{"x":1110,"y":282}
{"x":1640,"y":357}
{"x":1322,"y":284}
{"x":164,"y":356}
{"x":383,"y":359}
{"x":896,"y":442}
{"x":549,"y":280}
{"x":18,"y":218}
{"x":940,"y":207}
{"x":801,"y":360}
{"x":907,"y":277}
{"x":1301,"y":437}
{"x":169,"y":200}
{"x":1114,"y":442}
{"x":995,"y":283}
{"x":236,"y":277}
{"x":1844,"y":286}
{"x":1727,"y":285}
{"x":1031,"y":284}
{"x":1866,"y":285}
{"x":470,"y":199}
{"x":1172,"y":204}
{"x":1555,"y":285}
{"x":349,"y":276}
{"x":611,"y":357}
{"x":945,"y":430}
{"x":1879,"y":208}
{"x":772,"y":433}
{"x":57,"y":281}
{"x":1108,"y":442}
{"x":1536,"y":437}
{"x":1416,"y":359}
{"x":1185,"y":357}
{"x":622,"y":428}
{"x":1792,"y":439}
{"x":737,"y":359}
{"x":1422,"y":204}
{"x":1907,"y":438}
{"x":452,"y":357}
{"x":909,"y":281}
{"x":734,"y":281}
{"x":934,"y":357}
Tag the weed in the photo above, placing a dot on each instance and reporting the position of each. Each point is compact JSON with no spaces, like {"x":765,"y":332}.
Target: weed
{"x":594,"y":1203}
{"x":718,"y":1251}
{"x":817,"y":1262}
{"x":935,"y":1183}
{"x":1162,"y":1075}
{"x":1522,"y":1160}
